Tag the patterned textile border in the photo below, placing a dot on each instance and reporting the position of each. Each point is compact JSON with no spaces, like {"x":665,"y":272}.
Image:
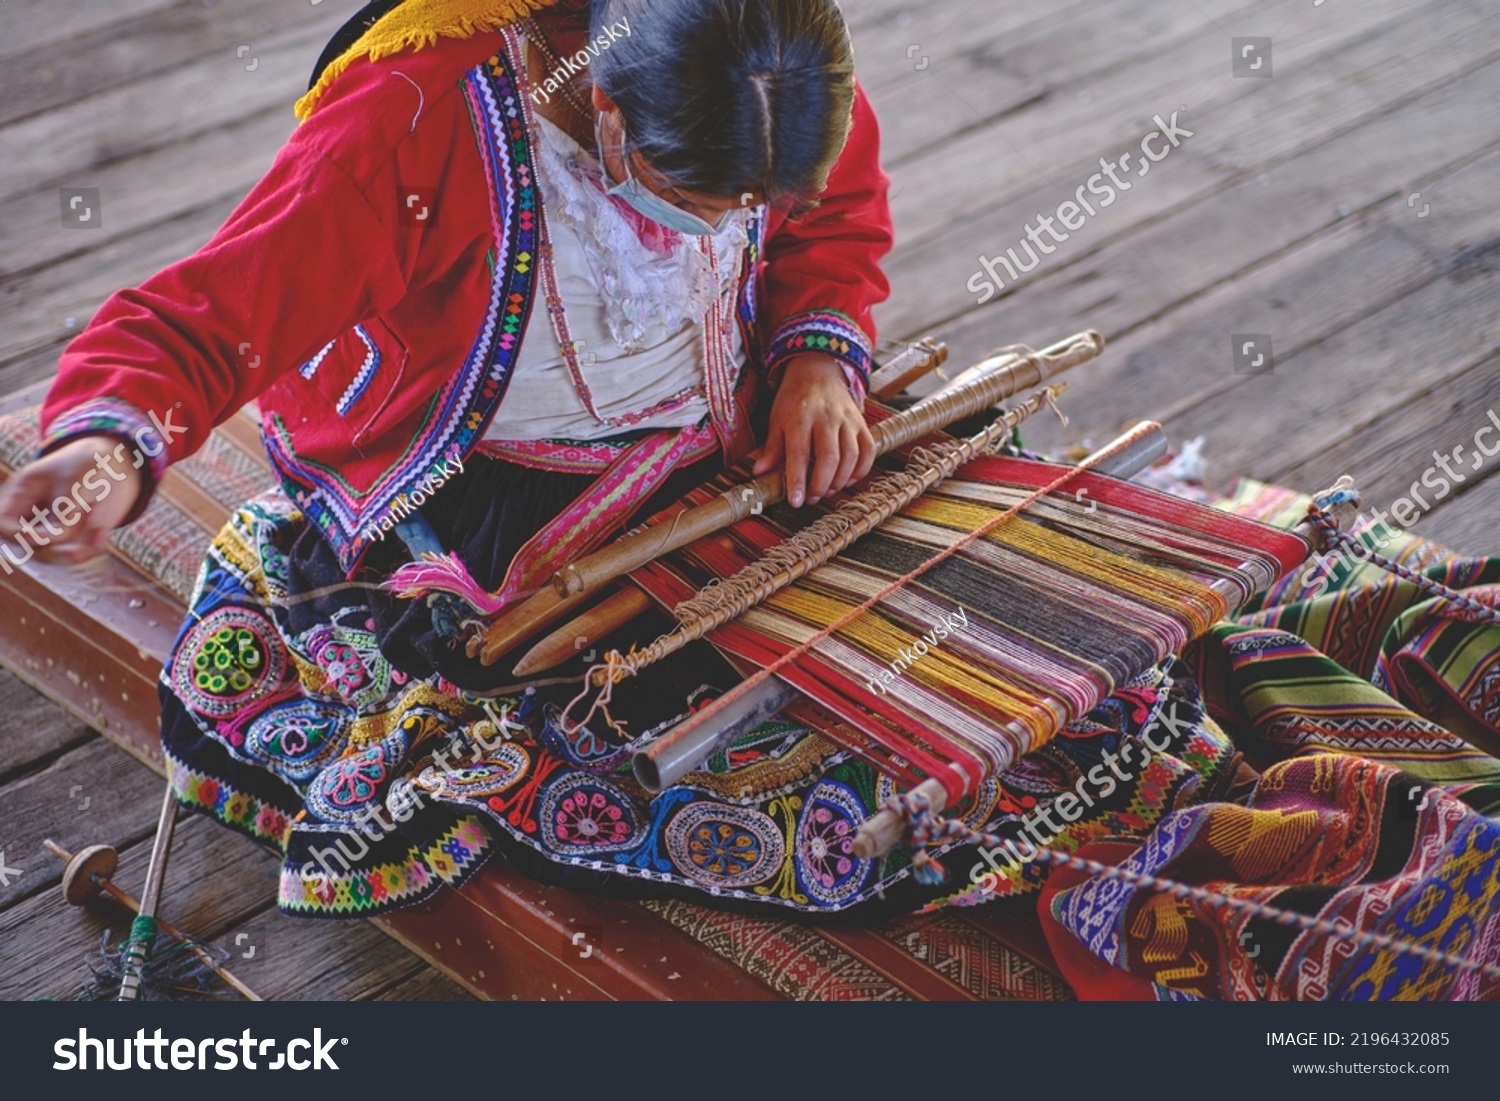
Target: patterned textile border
{"x":802,"y":964}
{"x":988,"y":968}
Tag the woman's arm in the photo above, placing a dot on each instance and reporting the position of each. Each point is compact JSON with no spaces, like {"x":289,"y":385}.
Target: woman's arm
{"x":308,"y":253}
{"x":822,"y":282}
{"x":316,"y":247}
{"x":822,"y":277}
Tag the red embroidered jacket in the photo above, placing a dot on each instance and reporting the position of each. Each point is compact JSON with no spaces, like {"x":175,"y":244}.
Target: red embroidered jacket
{"x":373,"y":288}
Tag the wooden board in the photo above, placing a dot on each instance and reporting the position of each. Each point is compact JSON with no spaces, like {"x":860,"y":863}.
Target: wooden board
{"x":1392,"y":461}
{"x":100,"y":58}
{"x":426,"y":986}
{"x":1211,"y":210}
{"x":60,"y":299}
{"x":27,"y":24}
{"x":66,"y":145}
{"x":31,"y":738}
{"x":1469,"y":522}
{"x":87,"y":793}
{"x":1383,"y":259}
{"x":978,"y":167}
{"x":211,"y":169}
{"x":1365,"y":318}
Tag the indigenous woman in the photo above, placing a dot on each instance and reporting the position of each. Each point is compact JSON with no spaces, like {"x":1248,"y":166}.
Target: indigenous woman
{"x":527,"y":273}
{"x":524,"y":272}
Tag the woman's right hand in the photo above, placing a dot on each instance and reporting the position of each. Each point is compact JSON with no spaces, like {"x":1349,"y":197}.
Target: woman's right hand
{"x":65,"y":504}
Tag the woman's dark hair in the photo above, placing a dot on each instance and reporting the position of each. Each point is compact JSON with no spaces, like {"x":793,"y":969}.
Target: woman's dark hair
{"x":725,"y":97}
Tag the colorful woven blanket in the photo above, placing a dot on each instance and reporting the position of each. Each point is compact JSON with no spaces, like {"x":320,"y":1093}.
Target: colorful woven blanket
{"x":1368,"y":813}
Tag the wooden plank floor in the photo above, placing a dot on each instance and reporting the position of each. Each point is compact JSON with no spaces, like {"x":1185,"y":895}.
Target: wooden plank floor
{"x":1338,"y":206}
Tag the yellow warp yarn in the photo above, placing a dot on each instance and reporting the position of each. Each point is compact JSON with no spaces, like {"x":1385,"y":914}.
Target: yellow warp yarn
{"x":1152,"y":586}
{"x":415,"y":25}
{"x":794,"y":613}
{"x":877,"y":635}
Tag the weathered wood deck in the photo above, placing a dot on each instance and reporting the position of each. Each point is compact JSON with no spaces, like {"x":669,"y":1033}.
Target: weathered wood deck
{"x":1292,"y":211}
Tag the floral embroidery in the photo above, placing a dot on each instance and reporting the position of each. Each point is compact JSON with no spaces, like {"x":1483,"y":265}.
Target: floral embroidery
{"x":229,"y":659}
{"x":346,"y":789}
{"x":826,"y":865}
{"x":724,"y":846}
{"x":295,"y":739}
{"x":583,"y":813}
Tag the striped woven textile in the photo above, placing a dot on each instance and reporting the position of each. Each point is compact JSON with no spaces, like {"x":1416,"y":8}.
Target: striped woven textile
{"x":1350,"y":659}
{"x":989,"y":652}
{"x":1367,"y":712}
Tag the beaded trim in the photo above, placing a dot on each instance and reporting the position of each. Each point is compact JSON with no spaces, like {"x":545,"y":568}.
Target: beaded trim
{"x":112,"y":417}
{"x":825,"y":332}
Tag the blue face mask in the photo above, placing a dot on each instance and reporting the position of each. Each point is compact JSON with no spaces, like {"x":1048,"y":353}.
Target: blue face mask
{"x":650,"y":205}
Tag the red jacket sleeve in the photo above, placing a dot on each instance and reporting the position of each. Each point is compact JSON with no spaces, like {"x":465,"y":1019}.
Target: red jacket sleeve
{"x":315,"y":248}
{"x":822,"y":277}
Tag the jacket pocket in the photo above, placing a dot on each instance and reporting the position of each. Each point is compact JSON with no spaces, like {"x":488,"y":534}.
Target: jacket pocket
{"x":360,"y":374}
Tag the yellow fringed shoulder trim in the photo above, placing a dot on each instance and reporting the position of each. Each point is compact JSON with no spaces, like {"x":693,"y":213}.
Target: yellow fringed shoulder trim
{"x":415,"y":25}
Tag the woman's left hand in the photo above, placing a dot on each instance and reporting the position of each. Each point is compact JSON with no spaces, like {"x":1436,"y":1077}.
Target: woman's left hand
{"x":817,"y":430}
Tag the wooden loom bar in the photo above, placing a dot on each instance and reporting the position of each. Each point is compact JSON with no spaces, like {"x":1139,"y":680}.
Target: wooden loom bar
{"x":621,"y":608}
{"x":599,"y":621}
{"x":920,"y":359}
{"x":736,"y":504}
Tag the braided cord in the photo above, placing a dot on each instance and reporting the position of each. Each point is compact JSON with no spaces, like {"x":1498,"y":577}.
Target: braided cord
{"x":928,"y":829}
{"x":1465,"y":607}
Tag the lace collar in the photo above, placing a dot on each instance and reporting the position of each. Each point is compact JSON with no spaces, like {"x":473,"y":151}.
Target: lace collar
{"x":647,"y":295}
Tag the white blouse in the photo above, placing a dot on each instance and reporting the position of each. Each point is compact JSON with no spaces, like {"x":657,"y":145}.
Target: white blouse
{"x":635,"y":316}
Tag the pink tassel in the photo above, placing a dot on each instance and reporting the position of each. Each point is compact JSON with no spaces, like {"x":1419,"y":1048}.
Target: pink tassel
{"x":442,"y":574}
